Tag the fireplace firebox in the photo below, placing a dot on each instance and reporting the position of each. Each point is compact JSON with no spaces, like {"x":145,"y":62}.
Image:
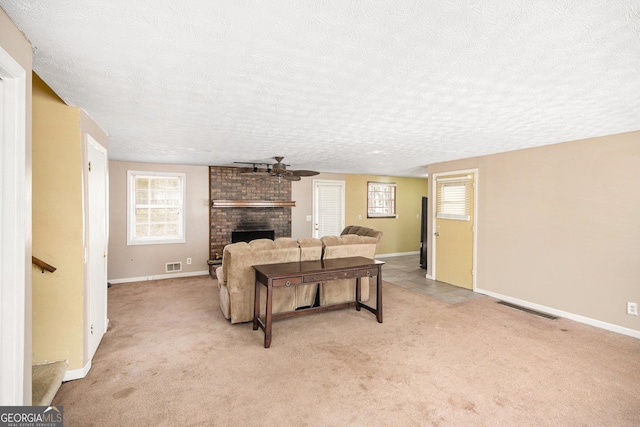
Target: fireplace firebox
{"x":249,"y":235}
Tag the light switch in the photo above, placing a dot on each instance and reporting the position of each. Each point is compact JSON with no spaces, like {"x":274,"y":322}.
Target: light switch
{"x":308,"y":218}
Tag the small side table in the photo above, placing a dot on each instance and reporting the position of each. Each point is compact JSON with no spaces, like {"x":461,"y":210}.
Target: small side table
{"x":213,"y":264}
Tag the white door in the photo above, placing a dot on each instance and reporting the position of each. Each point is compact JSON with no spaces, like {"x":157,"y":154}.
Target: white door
{"x":98,"y":226}
{"x":328,"y":207}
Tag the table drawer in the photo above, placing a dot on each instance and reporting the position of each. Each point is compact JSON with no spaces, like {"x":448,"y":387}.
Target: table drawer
{"x":328,"y":276}
{"x":291,"y":281}
{"x":367,"y":272}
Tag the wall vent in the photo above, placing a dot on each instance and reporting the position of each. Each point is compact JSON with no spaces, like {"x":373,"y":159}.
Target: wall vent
{"x":527,"y":310}
{"x":171,"y":267}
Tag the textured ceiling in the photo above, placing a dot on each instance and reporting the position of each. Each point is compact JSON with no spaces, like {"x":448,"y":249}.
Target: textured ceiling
{"x":371,"y":87}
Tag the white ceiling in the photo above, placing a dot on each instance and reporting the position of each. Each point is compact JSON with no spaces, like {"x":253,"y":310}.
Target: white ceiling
{"x":369,"y":87}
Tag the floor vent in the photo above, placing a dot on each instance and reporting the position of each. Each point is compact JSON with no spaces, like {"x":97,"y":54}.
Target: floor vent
{"x":173,"y":266}
{"x":528,"y":310}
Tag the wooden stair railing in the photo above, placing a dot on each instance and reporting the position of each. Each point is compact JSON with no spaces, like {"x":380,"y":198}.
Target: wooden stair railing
{"x":42,"y":265}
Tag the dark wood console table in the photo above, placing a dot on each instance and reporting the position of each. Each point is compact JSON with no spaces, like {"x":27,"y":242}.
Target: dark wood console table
{"x":306,"y":272}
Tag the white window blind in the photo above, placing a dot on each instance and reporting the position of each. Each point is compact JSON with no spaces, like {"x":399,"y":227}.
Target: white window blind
{"x":156,"y":208}
{"x":454,"y":198}
{"x":330,"y":210}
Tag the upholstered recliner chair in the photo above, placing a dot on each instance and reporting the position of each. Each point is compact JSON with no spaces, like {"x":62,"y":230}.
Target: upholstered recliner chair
{"x":237,"y":278}
{"x":310,"y":250}
{"x":362,"y":231}
{"x":347,"y":245}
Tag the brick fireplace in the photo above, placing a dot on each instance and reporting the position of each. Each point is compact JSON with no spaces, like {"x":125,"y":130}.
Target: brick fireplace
{"x":226,"y":183}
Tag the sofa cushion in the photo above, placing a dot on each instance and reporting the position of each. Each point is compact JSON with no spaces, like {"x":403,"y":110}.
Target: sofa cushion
{"x":310,"y":249}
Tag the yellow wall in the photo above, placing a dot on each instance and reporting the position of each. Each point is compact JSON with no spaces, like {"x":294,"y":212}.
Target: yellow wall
{"x":401,"y":234}
{"x":13,"y":43}
{"x":57,"y":229}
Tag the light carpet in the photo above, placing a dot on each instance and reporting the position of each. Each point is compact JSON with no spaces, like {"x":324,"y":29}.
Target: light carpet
{"x":171,"y":359}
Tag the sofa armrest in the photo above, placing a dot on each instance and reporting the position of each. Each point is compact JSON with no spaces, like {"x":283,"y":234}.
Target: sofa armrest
{"x":220,"y":276}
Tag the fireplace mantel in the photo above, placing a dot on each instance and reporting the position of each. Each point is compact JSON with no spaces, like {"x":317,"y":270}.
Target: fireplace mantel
{"x":253,"y":203}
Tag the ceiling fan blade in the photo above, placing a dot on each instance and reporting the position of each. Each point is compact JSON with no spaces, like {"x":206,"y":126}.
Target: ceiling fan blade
{"x":279,"y":168}
{"x":292,"y":178}
{"x":304,"y":173}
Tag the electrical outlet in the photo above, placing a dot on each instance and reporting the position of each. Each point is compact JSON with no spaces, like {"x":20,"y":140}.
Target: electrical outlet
{"x":188,"y":261}
{"x":632,"y":308}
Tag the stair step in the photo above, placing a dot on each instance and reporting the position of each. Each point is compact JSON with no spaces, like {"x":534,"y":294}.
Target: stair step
{"x":46,"y":380}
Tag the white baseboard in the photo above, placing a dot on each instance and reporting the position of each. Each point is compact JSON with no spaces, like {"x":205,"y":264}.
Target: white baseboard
{"x":77,"y":374}
{"x":576,"y":317}
{"x":158,"y":277}
{"x":397,"y":254}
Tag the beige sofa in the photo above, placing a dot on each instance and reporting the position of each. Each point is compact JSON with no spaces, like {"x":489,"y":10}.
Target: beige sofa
{"x":362,"y":231}
{"x":236,"y":276}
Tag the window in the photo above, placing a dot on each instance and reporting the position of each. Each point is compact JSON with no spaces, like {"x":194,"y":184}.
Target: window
{"x":381,"y":200}
{"x":156,"y":208}
{"x":453,"y":198}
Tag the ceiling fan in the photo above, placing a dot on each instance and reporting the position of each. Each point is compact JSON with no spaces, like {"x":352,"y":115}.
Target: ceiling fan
{"x":277,"y":169}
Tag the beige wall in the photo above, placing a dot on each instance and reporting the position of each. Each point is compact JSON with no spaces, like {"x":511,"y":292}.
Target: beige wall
{"x":18,"y":47}
{"x":401,"y":234}
{"x":57,"y":229}
{"x":302,"y":194}
{"x":145,"y":261}
{"x":559,"y":226}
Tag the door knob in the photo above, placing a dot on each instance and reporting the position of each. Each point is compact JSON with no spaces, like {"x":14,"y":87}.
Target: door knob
{"x":436,"y":233}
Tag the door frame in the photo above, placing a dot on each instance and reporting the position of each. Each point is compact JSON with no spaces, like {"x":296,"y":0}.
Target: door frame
{"x":88,"y":349}
{"x":434,"y":204}
{"x":314,"y":218}
{"x":15,"y":244}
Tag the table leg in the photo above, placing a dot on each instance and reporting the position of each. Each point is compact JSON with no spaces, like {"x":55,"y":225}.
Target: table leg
{"x":256,"y":307}
{"x":268,"y":309}
{"x":379,"y":296}
{"x":358,"y":293}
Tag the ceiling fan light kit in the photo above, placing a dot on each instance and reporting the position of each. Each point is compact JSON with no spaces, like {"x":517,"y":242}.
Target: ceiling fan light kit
{"x":277,"y":169}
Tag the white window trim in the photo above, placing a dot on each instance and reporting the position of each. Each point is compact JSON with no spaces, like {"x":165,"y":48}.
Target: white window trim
{"x":395,"y":200}
{"x":131,"y":200}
